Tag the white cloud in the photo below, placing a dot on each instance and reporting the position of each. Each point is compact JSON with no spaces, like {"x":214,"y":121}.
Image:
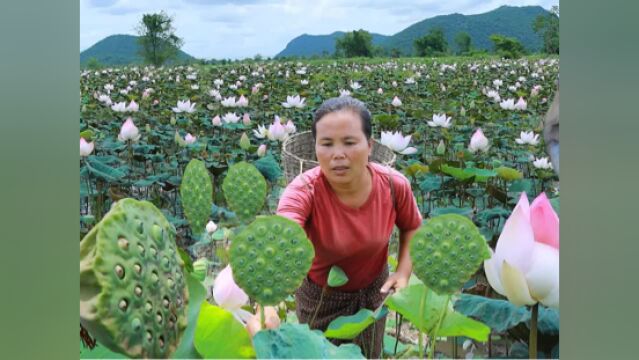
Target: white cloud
{"x":239,"y":29}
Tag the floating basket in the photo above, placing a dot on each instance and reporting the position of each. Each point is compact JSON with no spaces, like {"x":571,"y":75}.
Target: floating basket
{"x":298,"y":154}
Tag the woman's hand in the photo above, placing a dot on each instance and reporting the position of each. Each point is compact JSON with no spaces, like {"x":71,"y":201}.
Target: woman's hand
{"x":271,"y":320}
{"x":395,"y":281}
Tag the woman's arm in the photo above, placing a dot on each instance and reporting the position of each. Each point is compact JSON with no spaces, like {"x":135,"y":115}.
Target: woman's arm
{"x":400,"y":277}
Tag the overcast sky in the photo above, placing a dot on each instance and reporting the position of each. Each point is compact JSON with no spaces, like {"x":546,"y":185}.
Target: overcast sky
{"x":239,"y":29}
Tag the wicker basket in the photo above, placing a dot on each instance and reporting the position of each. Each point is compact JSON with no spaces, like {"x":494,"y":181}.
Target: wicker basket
{"x":298,"y":154}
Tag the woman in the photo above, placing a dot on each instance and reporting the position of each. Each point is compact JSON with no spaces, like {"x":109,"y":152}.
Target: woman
{"x":348,"y":207}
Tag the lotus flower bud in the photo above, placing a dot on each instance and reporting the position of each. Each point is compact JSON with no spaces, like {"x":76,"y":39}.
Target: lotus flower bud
{"x":211,"y":227}
{"x":261,"y":151}
{"x":245,"y":142}
{"x":441,"y":148}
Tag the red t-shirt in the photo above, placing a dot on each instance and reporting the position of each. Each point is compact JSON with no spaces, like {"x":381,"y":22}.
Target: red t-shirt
{"x":356,"y":240}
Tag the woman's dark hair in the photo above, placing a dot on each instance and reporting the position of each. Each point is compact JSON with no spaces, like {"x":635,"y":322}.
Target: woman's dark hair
{"x":344,"y":103}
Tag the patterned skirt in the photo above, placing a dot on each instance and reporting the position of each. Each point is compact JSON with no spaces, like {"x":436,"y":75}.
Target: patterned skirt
{"x":335,"y":303}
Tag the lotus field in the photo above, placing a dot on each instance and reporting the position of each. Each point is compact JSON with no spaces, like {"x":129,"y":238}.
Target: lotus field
{"x":181,"y":171}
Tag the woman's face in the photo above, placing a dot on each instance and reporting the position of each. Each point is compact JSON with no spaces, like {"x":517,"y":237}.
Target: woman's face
{"x":341,"y":146}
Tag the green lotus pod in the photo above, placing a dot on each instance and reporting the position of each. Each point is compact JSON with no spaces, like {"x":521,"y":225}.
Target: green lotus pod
{"x":200,"y":268}
{"x":270,"y":258}
{"x":446,"y":252}
{"x":133,"y":294}
{"x":196,"y":192}
{"x":245,"y":190}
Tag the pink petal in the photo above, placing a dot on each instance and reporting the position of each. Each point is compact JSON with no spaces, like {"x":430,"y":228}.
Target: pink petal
{"x":545,"y":222}
{"x":516,"y":240}
{"x":226,"y":292}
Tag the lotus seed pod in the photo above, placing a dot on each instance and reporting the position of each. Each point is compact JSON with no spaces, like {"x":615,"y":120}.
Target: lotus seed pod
{"x":196,"y":193}
{"x":446,"y":252}
{"x":126,"y":261}
{"x":267,"y":271}
{"x":245,"y":190}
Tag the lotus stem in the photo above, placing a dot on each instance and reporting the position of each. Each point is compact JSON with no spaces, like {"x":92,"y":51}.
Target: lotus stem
{"x":262,"y":318}
{"x":420,"y":339}
{"x":532,"y":343}
{"x":433,"y":343}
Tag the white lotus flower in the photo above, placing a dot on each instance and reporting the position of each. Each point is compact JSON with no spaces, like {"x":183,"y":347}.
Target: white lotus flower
{"x":542,"y":163}
{"x":214,"y":93}
{"x":119,"y":107}
{"x":396,"y":102}
{"x":521,"y":104}
{"x":290,"y":127}
{"x":229,"y":296}
{"x":242,"y":101}
{"x":440,"y":120}
{"x":184,"y":106}
{"x":380,"y":91}
{"x":343,"y":92}
{"x":497,"y":83}
{"x":261,"y":132}
{"x":494,"y":95}
{"x":294,"y":101}
{"x":230,"y":118}
{"x":218,"y":82}
{"x":129,"y":131}
{"x":304,"y":82}
{"x":478,"y":142}
{"x":211,"y":227}
{"x":86,"y":148}
{"x":216,"y":121}
{"x":507,"y":104}
{"x":228,"y":102}
{"x":355,"y":85}
{"x":527,"y":137}
{"x":105,"y":99}
{"x":409,"y":81}
{"x":397,"y":142}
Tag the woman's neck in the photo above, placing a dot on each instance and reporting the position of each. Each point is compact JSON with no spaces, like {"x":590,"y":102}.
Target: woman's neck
{"x":354,"y":187}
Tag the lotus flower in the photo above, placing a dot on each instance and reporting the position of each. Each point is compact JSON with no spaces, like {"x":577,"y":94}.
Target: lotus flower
{"x":261,"y":151}
{"x":133,"y":106}
{"x":542,"y":163}
{"x":230,"y":118}
{"x":304,"y":82}
{"x":119,"y":107}
{"x":494,"y":95}
{"x":521,"y":104}
{"x":409,"y":81}
{"x":216,"y":121}
{"x":86,"y":148}
{"x":396,"y":102}
{"x":184,"y":106}
{"x":478,"y":142}
{"x":128,"y":131}
{"x":190,"y":139}
{"x":294,"y":101}
{"x":242,"y":101}
{"x":397,"y":142}
{"x":525,"y":264}
{"x":105,"y":99}
{"x":380,"y":91}
{"x":343,"y":92}
{"x":211,"y":227}
{"x":355,"y":85}
{"x":527,"y":137}
{"x":276,"y":131}
{"x":290,"y":127}
{"x":497,"y":83}
{"x":261,"y":132}
{"x":246,"y":119}
{"x":229,"y":296}
{"x":228,"y":102}
{"x":507,"y":104}
{"x":440,"y":120}
{"x":535,"y":90}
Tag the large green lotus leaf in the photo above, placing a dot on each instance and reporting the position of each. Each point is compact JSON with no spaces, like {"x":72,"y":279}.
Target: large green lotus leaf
{"x":430,"y":183}
{"x":500,"y":315}
{"x":337,"y":277}
{"x":457,"y":173}
{"x":348,"y":327}
{"x":297,"y":341}
{"x":219,"y":334}
{"x":509,"y":174}
{"x":104,"y":171}
{"x":480,"y":174}
{"x":197,"y":294}
{"x":466,"y":211}
{"x":423,"y":308}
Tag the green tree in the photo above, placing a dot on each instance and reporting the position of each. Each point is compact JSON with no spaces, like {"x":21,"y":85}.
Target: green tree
{"x":432,"y":44}
{"x":464,"y":42}
{"x":93,"y":64}
{"x":355,"y":43}
{"x":157,"y":39}
{"x":395,"y":53}
{"x":548,"y":27}
{"x":507,"y":47}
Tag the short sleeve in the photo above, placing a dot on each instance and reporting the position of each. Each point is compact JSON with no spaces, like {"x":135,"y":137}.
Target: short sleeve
{"x":296,"y":201}
{"x":408,"y":215}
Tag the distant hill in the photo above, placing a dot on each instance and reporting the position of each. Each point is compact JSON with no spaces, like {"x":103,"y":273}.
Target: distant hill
{"x":308,"y":45}
{"x":510,"y":21}
{"x":119,"y":50}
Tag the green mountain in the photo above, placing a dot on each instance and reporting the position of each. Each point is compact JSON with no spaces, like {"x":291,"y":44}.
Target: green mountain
{"x":510,"y":21}
{"x":119,"y":50}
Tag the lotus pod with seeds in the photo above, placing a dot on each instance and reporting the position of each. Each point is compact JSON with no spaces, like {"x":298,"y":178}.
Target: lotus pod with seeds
{"x":133,"y":294}
{"x":196,"y":193}
{"x":270,"y":258}
{"x":245,"y":190}
{"x":447,"y":251}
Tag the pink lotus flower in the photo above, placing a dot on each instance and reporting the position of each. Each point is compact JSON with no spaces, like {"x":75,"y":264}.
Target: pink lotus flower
{"x":261,"y":151}
{"x":396,"y":102}
{"x":129,"y":131}
{"x":525,"y":264}
{"x":190,"y":139}
{"x":133,"y":106}
{"x":290,"y":127}
{"x":242,"y":101}
{"x":86,"y":148}
{"x":230,"y":296}
{"x":521,"y":104}
{"x":246,"y":119}
{"x":216,"y":121}
{"x":478,"y":142}
{"x":276,"y":131}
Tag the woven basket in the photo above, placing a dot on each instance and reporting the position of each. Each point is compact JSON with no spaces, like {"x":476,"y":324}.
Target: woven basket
{"x":298,"y":154}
